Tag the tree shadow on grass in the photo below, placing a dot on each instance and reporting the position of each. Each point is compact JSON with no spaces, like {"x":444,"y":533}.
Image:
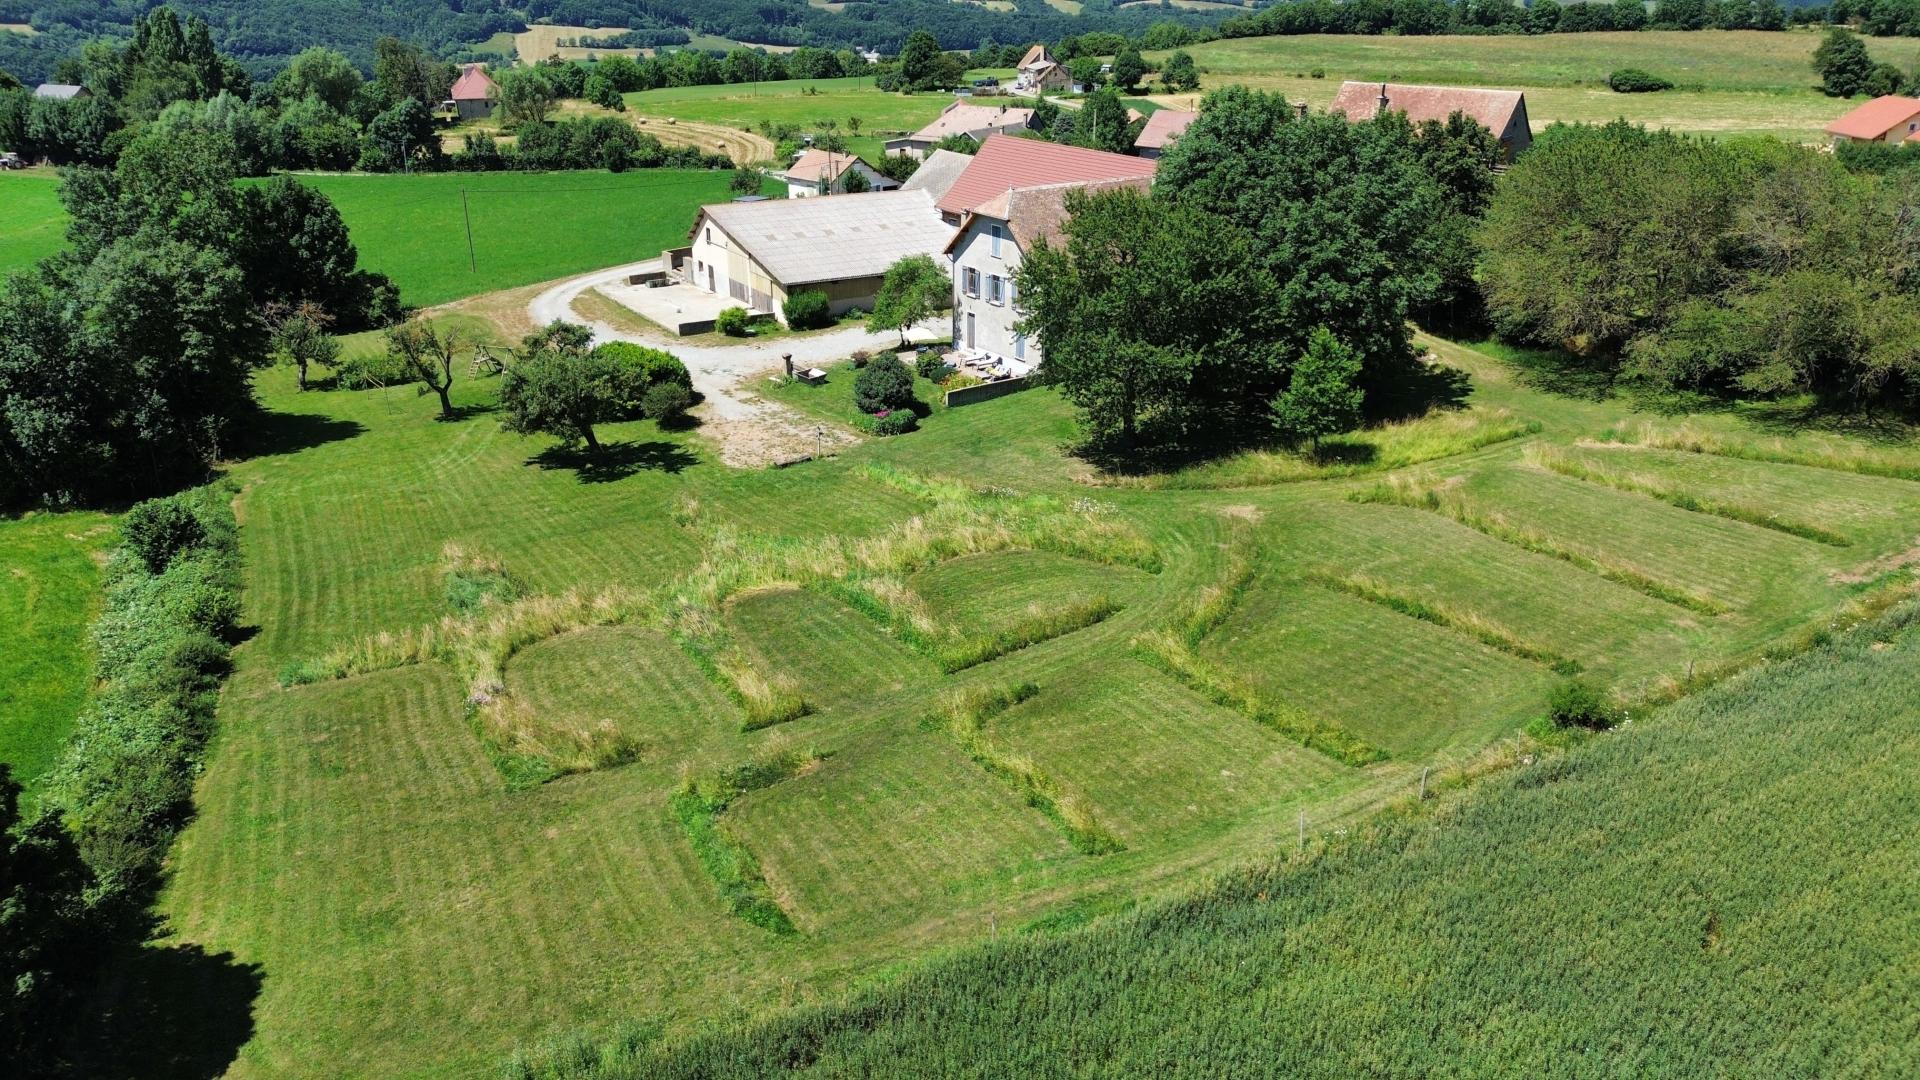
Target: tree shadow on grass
{"x":1804,"y":415}
{"x":1415,"y":388}
{"x":168,"y":1012}
{"x":616,"y":461}
{"x":287,"y":433}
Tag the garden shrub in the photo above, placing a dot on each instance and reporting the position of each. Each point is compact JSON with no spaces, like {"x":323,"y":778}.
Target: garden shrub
{"x":860,"y":358}
{"x":1579,"y":703}
{"x":732,"y":322}
{"x":808,"y":310}
{"x":666,"y":401}
{"x":636,"y":371}
{"x":892,"y":422}
{"x":932,"y":367}
{"x":1636,"y":81}
{"x":883,"y":384}
{"x":124,"y":784}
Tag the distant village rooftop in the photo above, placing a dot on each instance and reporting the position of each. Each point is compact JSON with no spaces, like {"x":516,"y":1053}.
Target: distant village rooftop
{"x":1005,"y":162}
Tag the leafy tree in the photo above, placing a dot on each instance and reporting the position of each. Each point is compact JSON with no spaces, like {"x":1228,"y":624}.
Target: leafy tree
{"x":300,"y":338}
{"x":1129,"y":67}
{"x":601,"y":92}
{"x":1103,"y":123}
{"x":1086,"y":71}
{"x":883,"y":385}
{"x":959,"y":144}
{"x":1343,"y":215}
{"x":558,"y":336}
{"x":318,"y":72}
{"x":44,"y":927}
{"x":1179,"y":73}
{"x":914,"y":290}
{"x":403,"y":71}
{"x":924,"y":67}
{"x":244,"y":126}
{"x":559,"y":393}
{"x":1152,"y":311}
{"x":732,"y":321}
{"x":426,"y":352}
{"x":70,"y":132}
{"x":1842,"y":63}
{"x":399,"y":138}
{"x":295,"y":249}
{"x":854,"y":182}
{"x":745,"y":181}
{"x":526,"y":96}
{"x":1322,"y":395}
{"x":666,"y":402}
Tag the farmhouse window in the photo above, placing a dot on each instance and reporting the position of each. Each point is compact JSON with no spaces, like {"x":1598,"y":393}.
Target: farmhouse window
{"x":1019,"y":346}
{"x":996,"y":241}
{"x":994,"y":294}
{"x":971,"y":280}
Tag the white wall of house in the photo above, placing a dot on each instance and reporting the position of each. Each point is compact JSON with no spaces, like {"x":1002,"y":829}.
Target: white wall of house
{"x":720,"y":266}
{"x":985,"y":259}
{"x":876,"y":181}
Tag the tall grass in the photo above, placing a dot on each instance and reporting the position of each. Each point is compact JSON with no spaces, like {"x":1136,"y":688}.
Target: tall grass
{"x":964,"y":715}
{"x":1424,"y":494}
{"x":1174,"y":649}
{"x":698,"y":803}
{"x":476,"y":580}
{"x":1839,"y":457}
{"x":1439,"y":434}
{"x":1566,"y":464}
{"x":1471,"y":623}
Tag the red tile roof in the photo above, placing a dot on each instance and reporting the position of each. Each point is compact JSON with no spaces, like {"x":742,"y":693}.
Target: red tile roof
{"x":474,"y":85}
{"x":1877,"y":117}
{"x":1493,"y":108}
{"x":1035,"y":214}
{"x":1163,"y":127}
{"x":1007,"y":162}
{"x":818,"y":166}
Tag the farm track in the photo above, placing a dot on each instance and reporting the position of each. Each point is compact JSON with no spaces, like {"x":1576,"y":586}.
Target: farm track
{"x":744,"y":147}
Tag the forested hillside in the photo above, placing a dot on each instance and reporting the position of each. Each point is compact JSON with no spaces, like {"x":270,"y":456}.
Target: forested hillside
{"x":264,"y":34}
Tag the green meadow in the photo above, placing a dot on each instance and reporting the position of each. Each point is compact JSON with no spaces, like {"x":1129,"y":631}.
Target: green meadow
{"x":527,"y":227}
{"x":49,"y":593}
{"x":1728,"y":82}
{"x":934,"y":690}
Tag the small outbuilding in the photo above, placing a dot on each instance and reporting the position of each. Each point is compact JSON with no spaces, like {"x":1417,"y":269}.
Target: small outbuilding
{"x":475,"y":94}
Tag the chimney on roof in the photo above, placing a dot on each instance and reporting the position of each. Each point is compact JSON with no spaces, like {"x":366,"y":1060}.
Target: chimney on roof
{"x":1383,"y":97}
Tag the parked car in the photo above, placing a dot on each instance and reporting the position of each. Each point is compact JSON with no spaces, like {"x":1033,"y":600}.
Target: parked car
{"x":11,"y":160}
{"x":988,"y":81}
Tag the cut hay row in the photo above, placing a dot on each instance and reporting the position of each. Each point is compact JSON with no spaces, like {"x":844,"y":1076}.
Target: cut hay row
{"x":1567,"y":465}
{"x":1862,"y":460}
{"x":1174,"y":650}
{"x":963,"y":716}
{"x":1424,"y":494}
{"x":698,"y":804}
{"x":1471,"y":623}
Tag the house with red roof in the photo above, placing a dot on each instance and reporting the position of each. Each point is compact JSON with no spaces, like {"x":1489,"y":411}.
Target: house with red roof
{"x":1005,"y":162}
{"x":1503,"y":112}
{"x":824,"y":172}
{"x":474,"y":93}
{"x":1889,"y":119}
{"x":1163,"y":127}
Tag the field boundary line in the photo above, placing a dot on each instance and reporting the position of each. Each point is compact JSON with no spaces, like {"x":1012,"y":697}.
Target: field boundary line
{"x":1561,"y":463}
{"x":1470,"y":624}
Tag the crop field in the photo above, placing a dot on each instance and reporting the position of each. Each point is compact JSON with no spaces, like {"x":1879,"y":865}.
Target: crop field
{"x":1728,"y":82}
{"x":49,"y":593}
{"x":731,"y":740}
{"x":804,"y":102}
{"x":33,"y":225}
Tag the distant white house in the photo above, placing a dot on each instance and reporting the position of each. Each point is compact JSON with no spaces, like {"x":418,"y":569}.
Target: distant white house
{"x":963,"y":118}
{"x":822,"y":172}
{"x":61,"y":91}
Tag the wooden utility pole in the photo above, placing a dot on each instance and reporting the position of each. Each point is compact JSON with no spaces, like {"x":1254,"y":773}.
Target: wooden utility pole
{"x":473,"y":265}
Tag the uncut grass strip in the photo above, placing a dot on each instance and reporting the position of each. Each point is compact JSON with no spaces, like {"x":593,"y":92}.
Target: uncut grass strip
{"x":1563,"y":464}
{"x":1168,"y":653}
{"x":1461,"y":512}
{"x":1687,"y":440}
{"x":698,"y":804}
{"x":965,"y":652}
{"x":964,"y":717}
{"x":1471,"y":624}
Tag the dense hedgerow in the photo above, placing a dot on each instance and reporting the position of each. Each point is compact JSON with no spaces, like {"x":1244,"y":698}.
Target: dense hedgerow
{"x":125,"y":784}
{"x":1724,"y":889}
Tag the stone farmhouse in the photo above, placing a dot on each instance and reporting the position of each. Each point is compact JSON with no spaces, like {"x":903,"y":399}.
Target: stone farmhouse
{"x":1503,"y":112}
{"x":1040,"y":73}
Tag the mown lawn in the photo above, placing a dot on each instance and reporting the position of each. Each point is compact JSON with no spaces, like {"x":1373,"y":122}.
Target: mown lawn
{"x":414,"y":916}
{"x":33,"y":225}
{"x":49,"y":594}
{"x":1728,"y":82}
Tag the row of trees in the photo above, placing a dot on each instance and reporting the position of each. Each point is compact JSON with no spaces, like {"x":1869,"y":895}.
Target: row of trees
{"x":1267,"y":280}
{"x":1738,"y":268}
{"x":125,"y":360}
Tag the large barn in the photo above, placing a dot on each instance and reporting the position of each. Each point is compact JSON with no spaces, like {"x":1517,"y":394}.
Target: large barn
{"x":1503,"y":112}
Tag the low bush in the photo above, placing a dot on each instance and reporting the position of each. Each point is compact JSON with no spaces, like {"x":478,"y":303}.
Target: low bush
{"x":637,"y":371}
{"x":883,"y":385}
{"x":1579,"y":703}
{"x":860,"y":358}
{"x":666,"y":401}
{"x":1636,"y":81}
{"x":732,"y":322}
{"x":808,"y":310}
{"x":932,"y":367}
{"x":891,"y":422}
{"x":124,"y":786}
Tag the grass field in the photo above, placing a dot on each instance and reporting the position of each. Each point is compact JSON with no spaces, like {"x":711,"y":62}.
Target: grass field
{"x":48,"y":595}
{"x":33,"y":224}
{"x":527,"y":227}
{"x":1729,"y":82}
{"x":806,"y":103}
{"x":1719,"y":890}
{"x":419,"y":907}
